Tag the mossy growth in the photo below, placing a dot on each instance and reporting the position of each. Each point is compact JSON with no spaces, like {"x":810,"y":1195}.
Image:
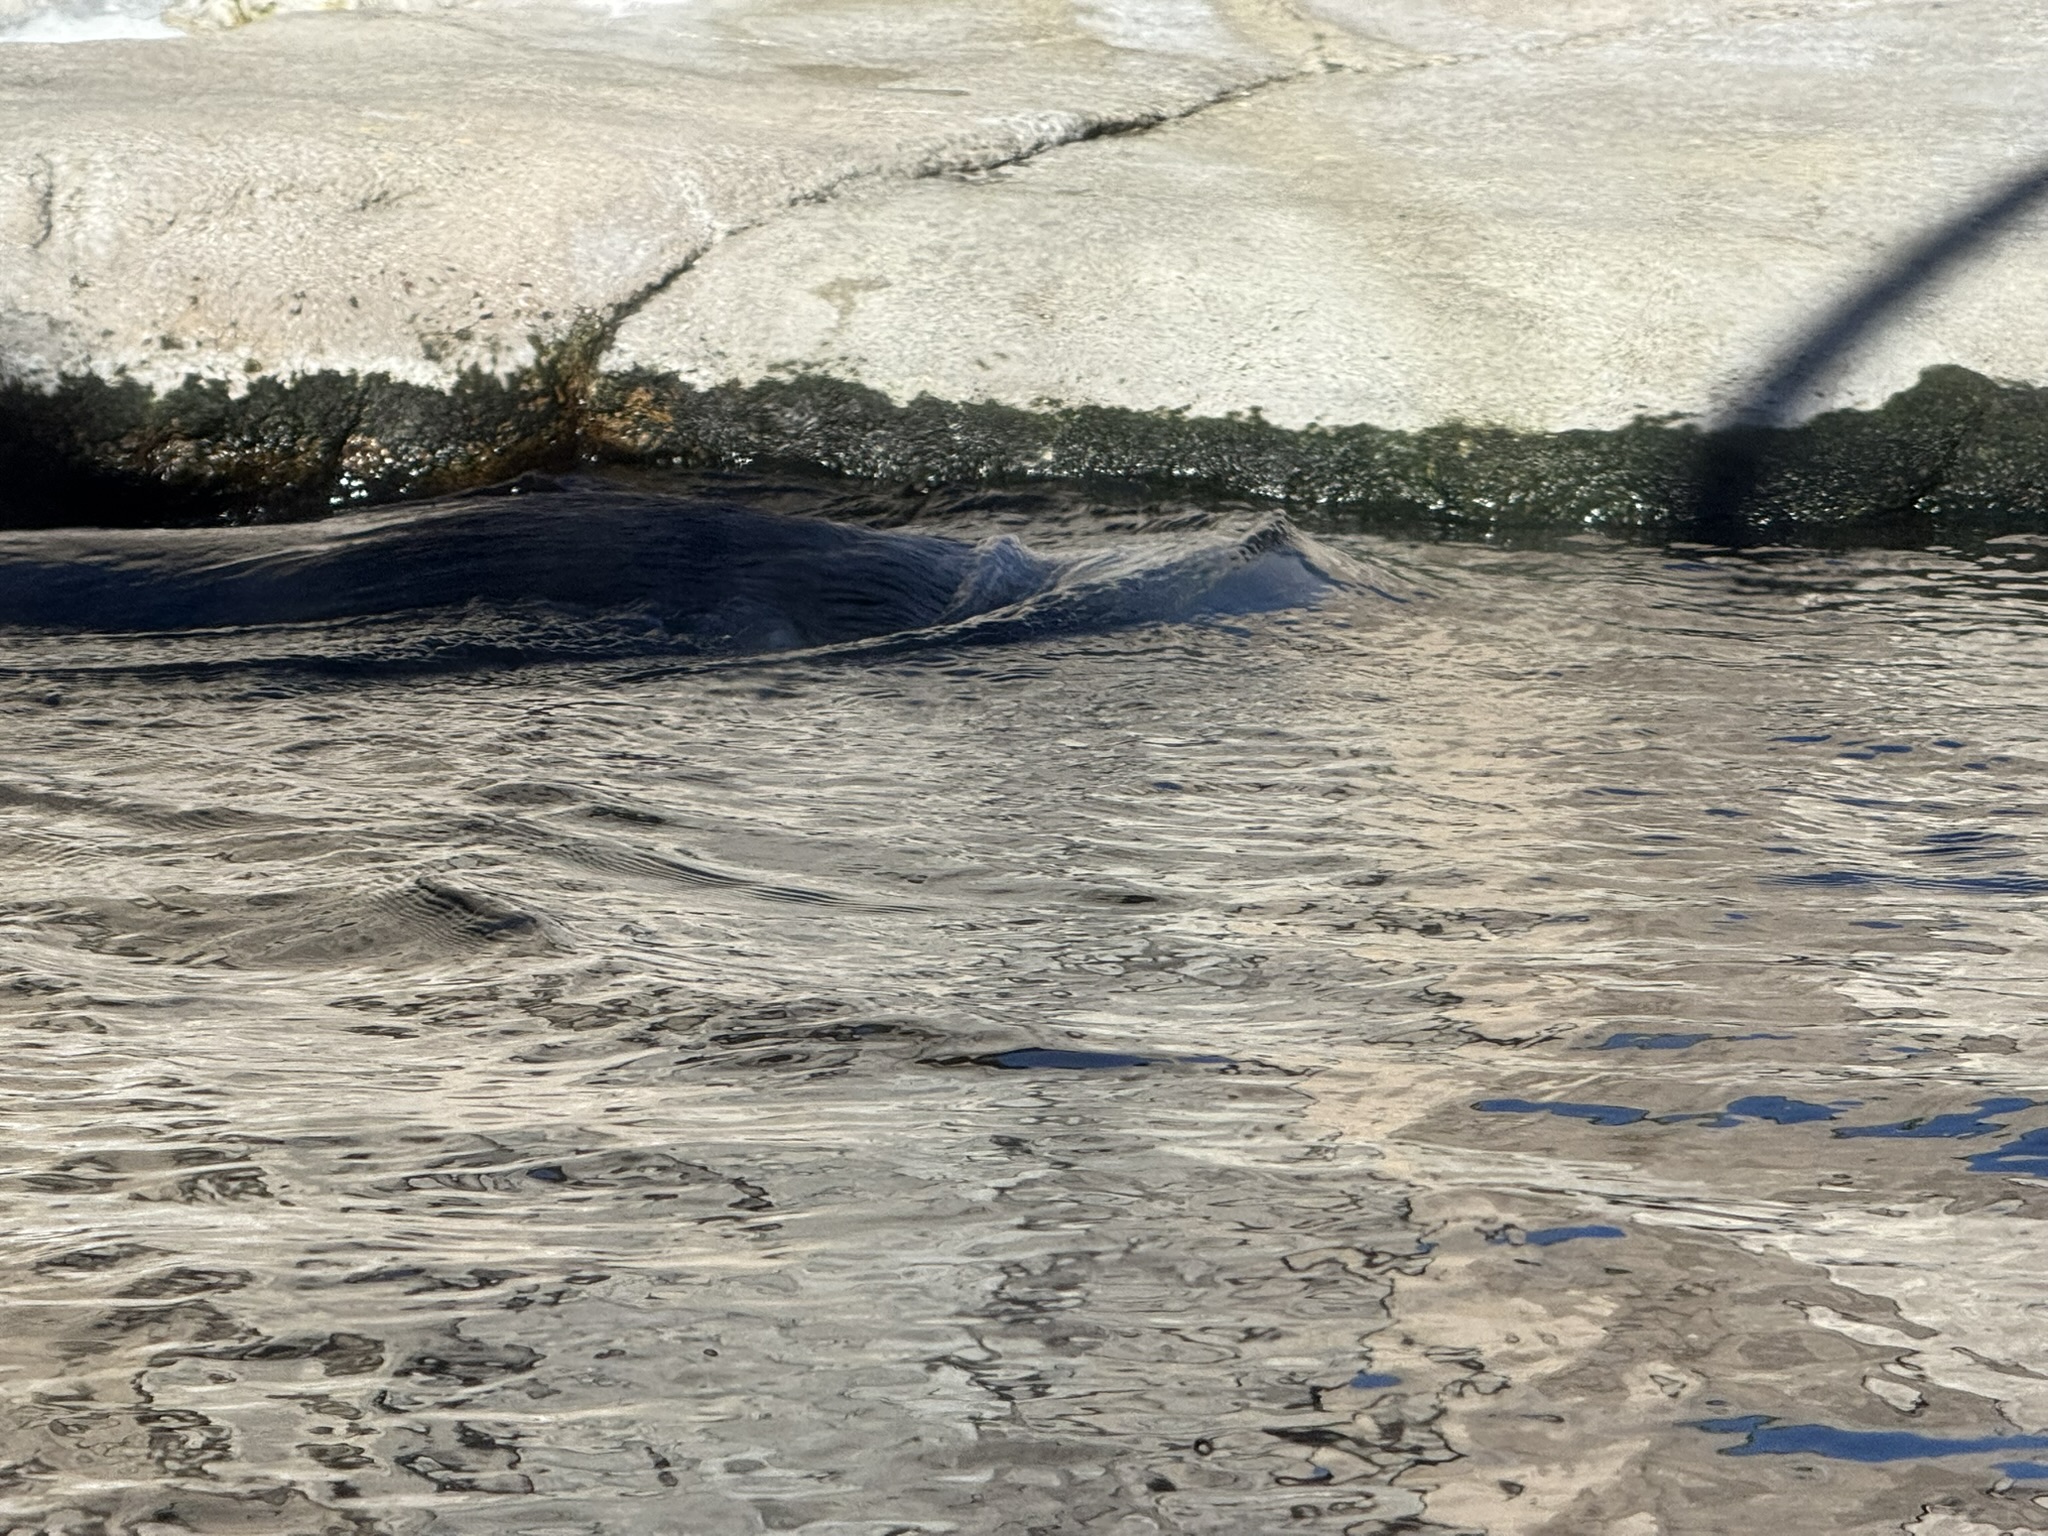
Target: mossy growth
{"x":1956,"y":458}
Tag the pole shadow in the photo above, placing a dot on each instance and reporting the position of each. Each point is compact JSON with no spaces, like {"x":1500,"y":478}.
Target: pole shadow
{"x":1733,"y":459}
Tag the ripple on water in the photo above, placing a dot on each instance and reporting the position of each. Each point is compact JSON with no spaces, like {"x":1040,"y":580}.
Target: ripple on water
{"x":996,"y":1088}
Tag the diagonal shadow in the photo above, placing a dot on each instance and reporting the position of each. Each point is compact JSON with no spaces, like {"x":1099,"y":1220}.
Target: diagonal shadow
{"x":1733,"y":460}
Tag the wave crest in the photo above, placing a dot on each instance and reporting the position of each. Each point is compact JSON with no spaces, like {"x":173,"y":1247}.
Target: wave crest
{"x":584,"y":570}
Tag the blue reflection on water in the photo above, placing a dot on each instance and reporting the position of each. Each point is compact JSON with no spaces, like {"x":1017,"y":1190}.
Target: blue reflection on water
{"x":1628,"y":1041}
{"x":1030,"y":1056}
{"x":1965,"y":842}
{"x":2025,"y":1155}
{"x":1773,"y":1107}
{"x":2028,"y":1155}
{"x":1759,"y":1106}
{"x":2015,"y":882}
{"x":1080,"y":1061}
{"x":1596,"y":1114}
{"x":1549,"y":1237}
{"x":1955,"y":1126}
{"x":1764,"y":1436}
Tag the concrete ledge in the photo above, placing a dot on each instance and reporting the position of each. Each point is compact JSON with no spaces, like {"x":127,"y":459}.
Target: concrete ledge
{"x":1958,"y":457}
{"x":1482,"y":264}
{"x":1540,"y":231}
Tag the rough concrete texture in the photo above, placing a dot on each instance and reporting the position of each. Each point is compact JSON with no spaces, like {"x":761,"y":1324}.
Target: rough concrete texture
{"x":423,"y":194}
{"x":342,"y":256}
{"x":1560,"y":216}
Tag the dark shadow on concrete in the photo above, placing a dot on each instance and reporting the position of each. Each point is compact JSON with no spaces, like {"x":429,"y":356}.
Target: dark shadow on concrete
{"x":1735,"y":456}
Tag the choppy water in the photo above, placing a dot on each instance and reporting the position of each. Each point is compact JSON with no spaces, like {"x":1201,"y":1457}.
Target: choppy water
{"x":1151,"y":1023}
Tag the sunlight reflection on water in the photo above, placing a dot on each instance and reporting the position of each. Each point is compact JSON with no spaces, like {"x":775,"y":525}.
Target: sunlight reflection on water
{"x":1048,"y":1086}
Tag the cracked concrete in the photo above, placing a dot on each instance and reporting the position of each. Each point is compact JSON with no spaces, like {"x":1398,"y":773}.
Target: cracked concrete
{"x":421,"y":195}
{"x":1564,"y":217}
{"x":843,"y":293}
{"x":343,"y":256}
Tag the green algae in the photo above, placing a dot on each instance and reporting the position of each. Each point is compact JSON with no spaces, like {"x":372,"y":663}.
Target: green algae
{"x":117,"y":453}
{"x":1956,"y":458}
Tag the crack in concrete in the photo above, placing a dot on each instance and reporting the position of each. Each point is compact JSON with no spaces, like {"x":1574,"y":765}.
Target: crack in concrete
{"x":567,"y":366}
{"x":581,"y":362}
{"x":577,"y":359}
{"x":43,"y":183}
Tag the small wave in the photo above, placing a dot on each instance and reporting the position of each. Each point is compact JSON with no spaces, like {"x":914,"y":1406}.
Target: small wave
{"x":582,"y":570}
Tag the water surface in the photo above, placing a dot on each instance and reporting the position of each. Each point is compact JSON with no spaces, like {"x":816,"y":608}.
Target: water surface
{"x":1063,"y":1019}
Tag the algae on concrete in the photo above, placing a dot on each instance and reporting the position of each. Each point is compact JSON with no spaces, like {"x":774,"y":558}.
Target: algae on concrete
{"x":1488,"y":268}
{"x":1956,"y":458}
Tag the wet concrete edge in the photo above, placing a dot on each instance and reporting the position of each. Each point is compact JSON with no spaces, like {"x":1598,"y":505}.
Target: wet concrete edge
{"x":1955,"y":458}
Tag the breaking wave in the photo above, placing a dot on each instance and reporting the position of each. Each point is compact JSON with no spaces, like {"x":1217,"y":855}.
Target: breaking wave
{"x":568,"y":570}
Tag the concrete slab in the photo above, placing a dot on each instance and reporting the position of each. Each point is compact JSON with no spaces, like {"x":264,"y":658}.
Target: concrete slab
{"x":1559,"y":217}
{"x":337,"y":257}
{"x":424,"y":194}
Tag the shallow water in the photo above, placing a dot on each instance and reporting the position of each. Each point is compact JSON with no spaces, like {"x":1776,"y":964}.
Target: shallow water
{"x":1490,"y":1040}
